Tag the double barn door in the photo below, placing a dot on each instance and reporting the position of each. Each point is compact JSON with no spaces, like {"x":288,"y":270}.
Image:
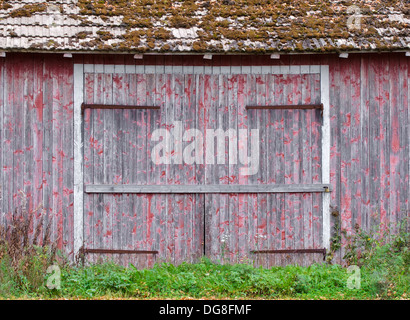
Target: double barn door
{"x":162,"y":181}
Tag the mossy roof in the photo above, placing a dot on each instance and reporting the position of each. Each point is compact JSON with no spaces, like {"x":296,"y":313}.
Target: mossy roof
{"x":217,"y":26}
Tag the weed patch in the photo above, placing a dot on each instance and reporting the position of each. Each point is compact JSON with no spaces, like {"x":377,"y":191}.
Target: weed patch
{"x":26,"y":251}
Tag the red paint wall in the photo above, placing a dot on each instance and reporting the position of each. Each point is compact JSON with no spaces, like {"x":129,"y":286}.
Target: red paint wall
{"x":36,"y":100}
{"x":370,"y":128}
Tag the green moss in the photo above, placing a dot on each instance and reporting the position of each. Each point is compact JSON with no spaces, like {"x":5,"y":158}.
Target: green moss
{"x":28,"y":10}
{"x":83,"y":34}
{"x":137,"y":22}
{"x":52,"y":43}
{"x":179,"y":21}
{"x":162,"y":34}
{"x":104,"y":47}
{"x":199,"y":46}
{"x":299,"y":47}
{"x":4,"y":5}
{"x":95,"y":43}
{"x":105,"y":35}
{"x":165,"y":48}
{"x":132,"y":39}
{"x":237,"y":20}
{"x":151,"y":44}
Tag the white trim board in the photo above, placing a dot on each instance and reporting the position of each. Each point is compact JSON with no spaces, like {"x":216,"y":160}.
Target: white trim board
{"x":78,"y":159}
{"x":161,"y":69}
{"x":324,"y":96}
{"x":81,"y":69}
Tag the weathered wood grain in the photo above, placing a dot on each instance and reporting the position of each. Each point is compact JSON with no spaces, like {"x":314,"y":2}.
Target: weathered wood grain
{"x":216,"y":188}
{"x":42,"y":153}
{"x":3,"y":103}
{"x":89,"y":232}
{"x":335,"y":154}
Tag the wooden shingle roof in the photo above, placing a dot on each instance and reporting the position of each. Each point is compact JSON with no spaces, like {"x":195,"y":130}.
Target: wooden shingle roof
{"x":218,"y":26}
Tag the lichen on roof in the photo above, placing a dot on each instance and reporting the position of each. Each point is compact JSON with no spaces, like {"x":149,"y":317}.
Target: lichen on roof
{"x":205,"y":26}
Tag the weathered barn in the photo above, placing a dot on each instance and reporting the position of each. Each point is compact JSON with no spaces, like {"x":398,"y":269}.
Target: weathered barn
{"x":114,"y":116}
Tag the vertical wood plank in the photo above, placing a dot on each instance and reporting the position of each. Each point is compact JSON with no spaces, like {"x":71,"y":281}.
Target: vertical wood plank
{"x":354,"y":140}
{"x":89,"y":163}
{"x":127,"y":129}
{"x":153,"y":170}
{"x":335,"y":139}
{"x":374,"y":136}
{"x":109,"y":206}
{"x":242,"y":223}
{"x":47,"y":143}
{"x":212,"y":177}
{"x":99,"y":150}
{"x":306,"y":177}
{"x":60,"y":155}
{"x":394,"y":141}
{"x":384,"y":142}
{"x":365,"y":139}
{"x":346,"y":125}
{"x":68,"y":150}
{"x":299,"y":123}
{"x":27,"y":138}
{"x":143,"y":154}
{"x":118,"y":137}
{"x":280,"y":173}
{"x":252,"y":117}
{"x":3,"y":105}
{"x":272,"y":159}
{"x":222,"y":201}
{"x":8,"y":124}
{"x":404,"y":136}
{"x":261,"y":177}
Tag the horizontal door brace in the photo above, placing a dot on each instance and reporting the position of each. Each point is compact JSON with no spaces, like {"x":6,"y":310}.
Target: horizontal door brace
{"x":116,"y":251}
{"x":279,"y":251}
{"x":216,"y":188}
{"x":116,"y":106}
{"x":289,"y":107}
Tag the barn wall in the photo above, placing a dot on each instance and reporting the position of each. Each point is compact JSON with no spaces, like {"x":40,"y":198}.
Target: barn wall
{"x":36,"y":119}
{"x":370,"y":129}
{"x":370,"y":140}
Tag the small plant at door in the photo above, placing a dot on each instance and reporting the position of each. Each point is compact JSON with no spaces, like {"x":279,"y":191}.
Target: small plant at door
{"x":259,"y":237}
{"x":224,"y":239}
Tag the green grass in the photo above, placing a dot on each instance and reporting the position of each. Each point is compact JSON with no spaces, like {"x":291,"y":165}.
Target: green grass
{"x":216,"y":281}
{"x":383,"y":259}
{"x":205,"y":280}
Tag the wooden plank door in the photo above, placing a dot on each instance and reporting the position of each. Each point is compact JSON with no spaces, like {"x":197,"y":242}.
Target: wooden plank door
{"x":117,"y":151}
{"x":289,"y":154}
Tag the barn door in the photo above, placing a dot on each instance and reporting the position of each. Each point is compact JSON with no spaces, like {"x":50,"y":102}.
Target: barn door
{"x":197,"y":164}
{"x":257,"y":227}
{"x":138,"y":228}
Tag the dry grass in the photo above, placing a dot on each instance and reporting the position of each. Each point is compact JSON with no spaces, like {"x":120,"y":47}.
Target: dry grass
{"x":26,"y":249}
